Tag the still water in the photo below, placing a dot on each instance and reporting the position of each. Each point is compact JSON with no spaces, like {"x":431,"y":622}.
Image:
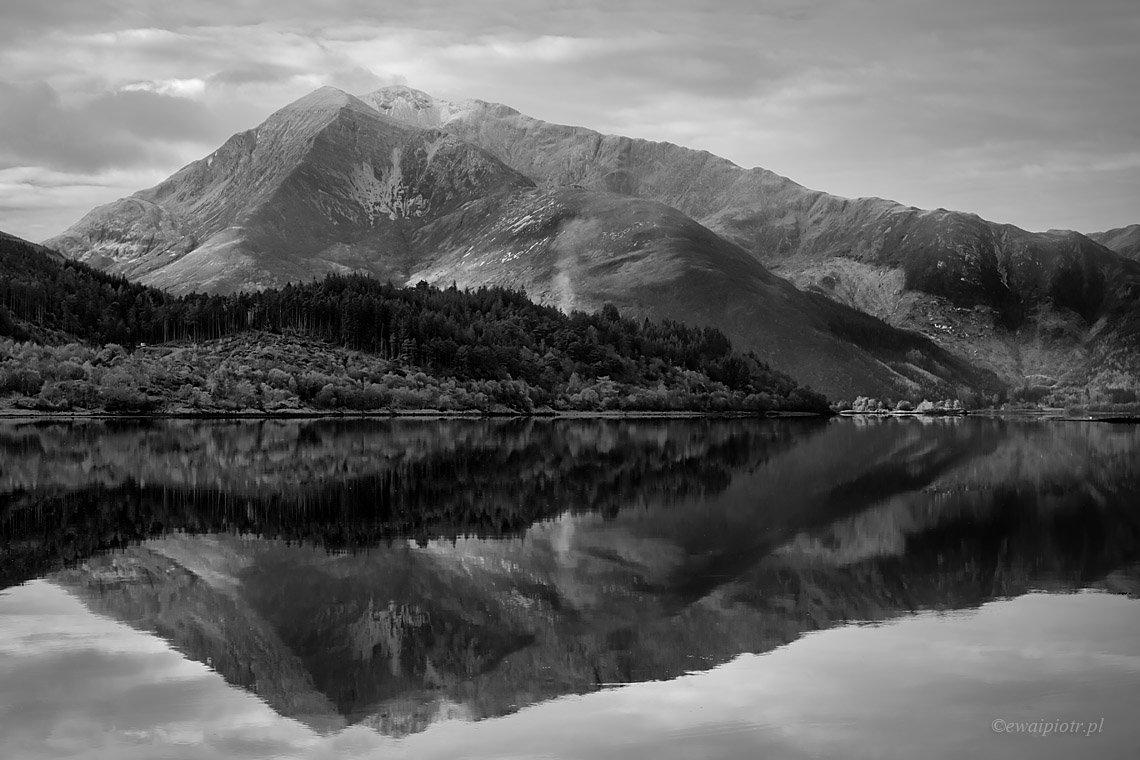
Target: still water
{"x":569,"y":589}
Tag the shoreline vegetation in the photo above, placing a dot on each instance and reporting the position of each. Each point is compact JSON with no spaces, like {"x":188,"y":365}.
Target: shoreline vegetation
{"x":73,"y":339}
{"x":1101,"y":412}
{"x":263,"y":374}
{"x":76,"y":342}
{"x":16,"y":414}
{"x":21,"y":415}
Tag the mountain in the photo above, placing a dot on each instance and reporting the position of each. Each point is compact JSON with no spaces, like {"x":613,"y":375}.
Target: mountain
{"x":330,"y":184}
{"x":1123,"y":240}
{"x":1026,"y":305}
{"x":324,"y":185}
{"x":581,"y":249}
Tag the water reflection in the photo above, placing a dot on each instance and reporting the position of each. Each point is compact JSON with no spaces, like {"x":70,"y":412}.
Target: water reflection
{"x":396,"y":574}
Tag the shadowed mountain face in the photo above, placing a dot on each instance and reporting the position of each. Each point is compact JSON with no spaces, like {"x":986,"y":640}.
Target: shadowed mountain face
{"x":332,"y":184}
{"x":610,"y":551}
{"x":581,"y":249}
{"x":1124,"y":240}
{"x":1017,"y":302}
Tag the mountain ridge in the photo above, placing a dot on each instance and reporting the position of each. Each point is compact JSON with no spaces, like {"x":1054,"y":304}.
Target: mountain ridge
{"x":1124,"y":240}
{"x":390,"y":184}
{"x":1022,"y":304}
{"x":251,"y":213}
{"x":330,"y":185}
{"x":651,"y":261}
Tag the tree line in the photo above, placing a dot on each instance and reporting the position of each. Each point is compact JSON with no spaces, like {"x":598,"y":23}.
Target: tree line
{"x":490,"y":333}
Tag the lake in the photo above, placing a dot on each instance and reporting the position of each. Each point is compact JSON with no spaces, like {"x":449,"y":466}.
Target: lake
{"x":532,"y":588}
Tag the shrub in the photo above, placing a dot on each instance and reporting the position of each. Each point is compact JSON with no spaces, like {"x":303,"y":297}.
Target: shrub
{"x":64,"y":395}
{"x":20,"y":380}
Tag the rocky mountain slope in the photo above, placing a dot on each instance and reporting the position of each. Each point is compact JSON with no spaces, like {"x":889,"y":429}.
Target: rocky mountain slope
{"x":581,"y":249}
{"x":1023,"y":304}
{"x":323,"y":185}
{"x":329,"y":184}
{"x":1123,"y":240}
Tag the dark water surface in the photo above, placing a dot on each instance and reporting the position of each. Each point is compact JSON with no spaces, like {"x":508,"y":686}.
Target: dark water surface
{"x":569,"y":589}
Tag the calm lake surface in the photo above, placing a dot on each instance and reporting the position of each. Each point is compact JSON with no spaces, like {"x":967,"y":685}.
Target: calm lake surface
{"x":569,"y":589}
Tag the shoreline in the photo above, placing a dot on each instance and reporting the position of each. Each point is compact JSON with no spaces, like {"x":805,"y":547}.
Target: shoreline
{"x":425,"y":414}
{"x":1043,"y":415}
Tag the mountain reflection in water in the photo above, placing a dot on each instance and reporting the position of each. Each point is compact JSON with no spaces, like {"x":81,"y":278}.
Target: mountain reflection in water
{"x":396,"y":573}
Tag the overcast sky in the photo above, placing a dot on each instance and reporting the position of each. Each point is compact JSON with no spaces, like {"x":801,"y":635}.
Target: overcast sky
{"x":1025,"y":111}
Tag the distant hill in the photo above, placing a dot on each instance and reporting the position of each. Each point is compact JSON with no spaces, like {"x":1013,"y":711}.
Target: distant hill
{"x":329,"y":184}
{"x":1123,"y":240}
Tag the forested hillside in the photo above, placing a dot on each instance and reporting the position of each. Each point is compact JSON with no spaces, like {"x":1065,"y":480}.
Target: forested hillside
{"x":534,"y":355}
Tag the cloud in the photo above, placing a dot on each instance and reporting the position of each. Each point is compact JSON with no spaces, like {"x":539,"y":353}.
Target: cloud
{"x":119,"y":129}
{"x":73,"y":683}
{"x":37,"y":203}
{"x":77,"y":684}
{"x":179,"y":88}
{"x":859,"y":97}
{"x":254,"y":72}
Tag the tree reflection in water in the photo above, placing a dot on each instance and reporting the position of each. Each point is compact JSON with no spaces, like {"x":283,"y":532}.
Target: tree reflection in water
{"x":396,"y":572}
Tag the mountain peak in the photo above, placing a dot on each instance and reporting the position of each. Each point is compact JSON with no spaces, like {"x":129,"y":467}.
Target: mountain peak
{"x":310,"y":114}
{"x":416,"y":107}
{"x":402,"y":91}
{"x":325,"y":99}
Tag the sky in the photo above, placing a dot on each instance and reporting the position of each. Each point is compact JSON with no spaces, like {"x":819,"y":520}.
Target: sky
{"x":1023,"y":111}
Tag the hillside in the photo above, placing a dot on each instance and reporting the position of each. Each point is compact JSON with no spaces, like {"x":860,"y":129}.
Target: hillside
{"x":1123,"y":240}
{"x":350,"y":343}
{"x":328,"y":184}
{"x":1025,"y":305}
{"x":580,"y":249}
